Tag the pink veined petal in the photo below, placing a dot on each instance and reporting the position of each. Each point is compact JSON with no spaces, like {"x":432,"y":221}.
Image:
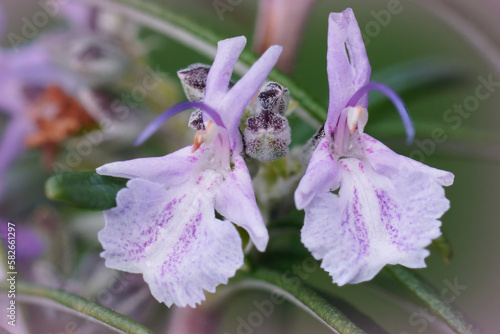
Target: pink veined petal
{"x":170,"y":170}
{"x":374,"y":221}
{"x":387,"y":162}
{"x":244,"y":90}
{"x":172,"y":237}
{"x":236,"y":202}
{"x":347,"y":72}
{"x":219,"y":76}
{"x":12,"y":145}
{"x":322,"y":175}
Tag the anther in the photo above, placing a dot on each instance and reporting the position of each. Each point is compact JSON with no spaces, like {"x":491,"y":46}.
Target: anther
{"x":357,"y":116}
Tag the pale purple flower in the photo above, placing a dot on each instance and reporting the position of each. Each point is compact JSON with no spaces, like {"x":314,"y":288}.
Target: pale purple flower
{"x":387,"y":208}
{"x":29,"y":243}
{"x":24,"y":76}
{"x":52,"y":80}
{"x":164,"y":225}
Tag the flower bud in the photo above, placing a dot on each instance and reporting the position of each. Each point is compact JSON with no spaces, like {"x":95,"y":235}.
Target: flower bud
{"x":273,"y":97}
{"x":196,"y":120}
{"x":267,"y":136}
{"x":194,"y":81}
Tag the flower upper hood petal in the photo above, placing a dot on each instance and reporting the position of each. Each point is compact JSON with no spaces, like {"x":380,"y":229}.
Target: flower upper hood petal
{"x":348,"y":66}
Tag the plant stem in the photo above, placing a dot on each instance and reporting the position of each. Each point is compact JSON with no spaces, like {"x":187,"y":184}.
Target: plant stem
{"x":299,"y":294}
{"x":102,"y":314}
{"x":432,"y":299}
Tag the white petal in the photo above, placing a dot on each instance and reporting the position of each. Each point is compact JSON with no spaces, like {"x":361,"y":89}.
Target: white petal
{"x":374,"y":221}
{"x":246,"y":88}
{"x":387,"y":162}
{"x":321,"y":175}
{"x":173,"y":238}
{"x":348,"y":66}
{"x":219,"y":76}
{"x":236,"y":202}
{"x":169,"y":170}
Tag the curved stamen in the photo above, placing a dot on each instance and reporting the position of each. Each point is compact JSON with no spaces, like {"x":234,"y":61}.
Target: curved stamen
{"x":222,"y":155}
{"x":169,"y":113}
{"x":395,"y":99}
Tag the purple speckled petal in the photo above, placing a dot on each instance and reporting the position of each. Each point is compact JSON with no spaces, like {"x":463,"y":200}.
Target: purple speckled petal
{"x":387,"y":162}
{"x":347,"y":73}
{"x":236,"y":202}
{"x":218,"y":79}
{"x":322,"y":175}
{"x":374,"y":221}
{"x":169,"y":170}
{"x":173,"y":238}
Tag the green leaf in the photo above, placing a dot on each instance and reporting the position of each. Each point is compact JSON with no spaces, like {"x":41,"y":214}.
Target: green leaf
{"x":102,"y":314}
{"x":299,"y":293}
{"x":442,"y":247}
{"x":431,"y":298}
{"x":86,"y":190}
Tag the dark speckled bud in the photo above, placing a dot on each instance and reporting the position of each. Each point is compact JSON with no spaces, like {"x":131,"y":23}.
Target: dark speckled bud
{"x":273,"y":97}
{"x":194,"y":82}
{"x":267,"y":136}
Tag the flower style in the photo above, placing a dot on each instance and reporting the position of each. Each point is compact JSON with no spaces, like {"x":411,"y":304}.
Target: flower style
{"x":164,"y":225}
{"x":388,"y":206}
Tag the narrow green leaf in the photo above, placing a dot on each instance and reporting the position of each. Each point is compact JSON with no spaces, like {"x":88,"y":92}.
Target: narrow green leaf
{"x":301,"y":295}
{"x":102,"y":314}
{"x":431,"y":298}
{"x":86,"y":190}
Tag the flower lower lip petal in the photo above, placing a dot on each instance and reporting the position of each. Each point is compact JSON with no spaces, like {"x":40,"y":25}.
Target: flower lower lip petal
{"x":173,"y":238}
